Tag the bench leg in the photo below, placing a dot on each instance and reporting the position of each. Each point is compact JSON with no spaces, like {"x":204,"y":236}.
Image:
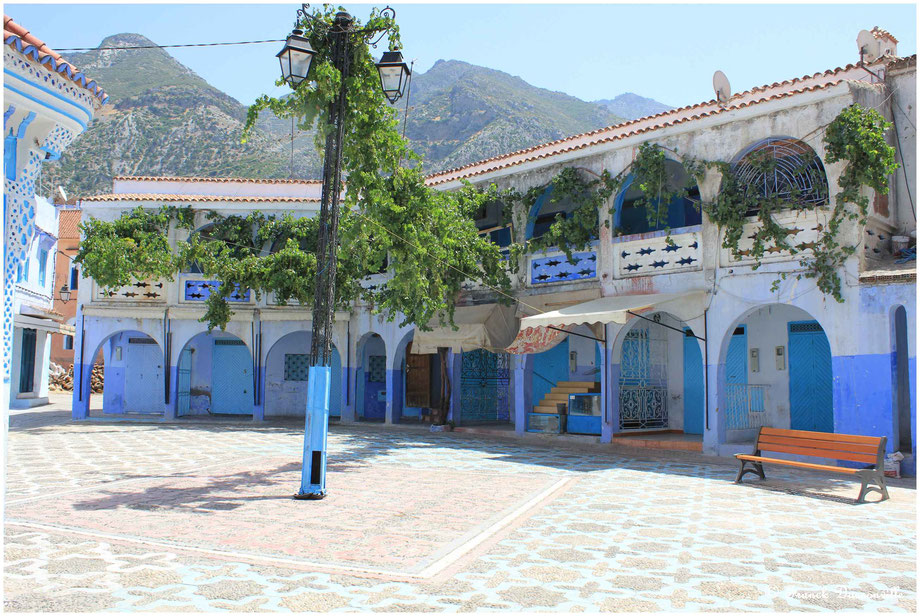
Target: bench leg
{"x":756,"y":467}
{"x":876,"y":477}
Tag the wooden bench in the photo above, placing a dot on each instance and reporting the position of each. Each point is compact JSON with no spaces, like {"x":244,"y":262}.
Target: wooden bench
{"x":849,"y":447}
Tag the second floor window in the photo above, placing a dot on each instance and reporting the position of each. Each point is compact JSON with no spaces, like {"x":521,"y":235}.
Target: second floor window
{"x":782,"y":168}
{"x":42,"y":266}
{"x":74,"y":278}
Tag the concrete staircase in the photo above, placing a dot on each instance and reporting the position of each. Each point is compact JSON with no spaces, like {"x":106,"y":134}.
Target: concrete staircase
{"x":560,"y":393}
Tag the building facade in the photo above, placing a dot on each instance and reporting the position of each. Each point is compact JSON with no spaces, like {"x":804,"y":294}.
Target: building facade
{"x":664,"y":330}
{"x":47,"y":104}
{"x":66,"y":274}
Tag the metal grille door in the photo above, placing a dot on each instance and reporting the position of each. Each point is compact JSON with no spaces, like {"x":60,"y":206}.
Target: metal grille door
{"x":484,"y":387}
{"x":644,"y":378}
{"x":811,"y":398}
{"x":184,"y":382}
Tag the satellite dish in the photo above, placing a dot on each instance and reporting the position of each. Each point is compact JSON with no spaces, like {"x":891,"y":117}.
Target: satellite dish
{"x":63,"y":194}
{"x":721,"y":86}
{"x":866,"y":43}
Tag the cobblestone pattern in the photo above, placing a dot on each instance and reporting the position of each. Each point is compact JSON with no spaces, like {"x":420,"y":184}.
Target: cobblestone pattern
{"x":626,"y":531}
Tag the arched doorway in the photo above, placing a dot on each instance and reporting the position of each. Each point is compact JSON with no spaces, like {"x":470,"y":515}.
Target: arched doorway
{"x":371,"y":378}
{"x":286,"y":377}
{"x":214,"y":376}
{"x":660,"y":385}
{"x":775,"y":370}
{"x":485,"y":395}
{"x":133,"y":374}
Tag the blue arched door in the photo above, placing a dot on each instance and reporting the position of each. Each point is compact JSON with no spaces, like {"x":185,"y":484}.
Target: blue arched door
{"x":811,"y":397}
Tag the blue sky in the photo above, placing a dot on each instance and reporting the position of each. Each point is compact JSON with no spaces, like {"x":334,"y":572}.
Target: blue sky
{"x":592,"y":51}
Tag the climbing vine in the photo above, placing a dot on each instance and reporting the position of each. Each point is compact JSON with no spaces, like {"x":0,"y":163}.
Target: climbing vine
{"x":857,"y":136}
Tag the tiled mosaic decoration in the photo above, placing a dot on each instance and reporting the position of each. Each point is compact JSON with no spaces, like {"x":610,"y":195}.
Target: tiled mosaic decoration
{"x":377,"y":368}
{"x":296,"y":366}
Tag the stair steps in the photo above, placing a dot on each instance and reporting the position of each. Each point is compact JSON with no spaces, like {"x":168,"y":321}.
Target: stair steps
{"x":560,"y":394}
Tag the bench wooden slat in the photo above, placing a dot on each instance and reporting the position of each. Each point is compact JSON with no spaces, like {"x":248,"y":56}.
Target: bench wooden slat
{"x":822,"y":453}
{"x":821,"y":467}
{"x":823,"y":436}
{"x":808,"y":443}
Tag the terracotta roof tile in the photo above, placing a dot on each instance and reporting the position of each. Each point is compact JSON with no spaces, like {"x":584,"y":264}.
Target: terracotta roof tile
{"x":754,"y":96}
{"x":69,"y":224}
{"x":879,"y":34}
{"x":196,"y":198}
{"x":28,"y":44}
{"x":173,"y":178}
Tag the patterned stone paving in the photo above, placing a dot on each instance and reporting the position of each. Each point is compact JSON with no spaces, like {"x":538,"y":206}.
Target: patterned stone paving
{"x":190,"y":517}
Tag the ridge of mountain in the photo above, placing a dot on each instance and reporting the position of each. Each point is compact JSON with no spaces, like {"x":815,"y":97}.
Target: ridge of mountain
{"x":167,"y":120}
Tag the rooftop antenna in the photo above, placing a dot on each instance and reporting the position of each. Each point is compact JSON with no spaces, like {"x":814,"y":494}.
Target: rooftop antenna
{"x":867,"y":44}
{"x":721,"y":86}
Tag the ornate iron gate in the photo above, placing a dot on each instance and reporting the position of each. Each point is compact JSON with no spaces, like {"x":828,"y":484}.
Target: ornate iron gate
{"x":484,"y":387}
{"x":644,"y":378}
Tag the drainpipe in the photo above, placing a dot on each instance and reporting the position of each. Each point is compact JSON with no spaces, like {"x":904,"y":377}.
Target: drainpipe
{"x":706,"y":360}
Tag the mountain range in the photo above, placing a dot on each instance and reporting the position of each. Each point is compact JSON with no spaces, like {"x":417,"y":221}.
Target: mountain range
{"x":167,"y":120}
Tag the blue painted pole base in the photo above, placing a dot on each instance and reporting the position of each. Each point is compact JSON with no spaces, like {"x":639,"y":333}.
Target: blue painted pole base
{"x":313,"y":473}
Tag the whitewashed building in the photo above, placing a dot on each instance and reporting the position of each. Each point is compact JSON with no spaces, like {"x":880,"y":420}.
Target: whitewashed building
{"x":680,"y":340}
{"x":47,"y":103}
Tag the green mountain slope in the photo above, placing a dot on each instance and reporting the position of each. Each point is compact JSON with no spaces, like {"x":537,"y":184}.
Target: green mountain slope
{"x":166,"y":120}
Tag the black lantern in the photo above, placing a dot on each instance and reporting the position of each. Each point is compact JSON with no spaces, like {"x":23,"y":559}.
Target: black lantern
{"x":394,"y":74}
{"x":295,"y":58}
{"x":64,"y":294}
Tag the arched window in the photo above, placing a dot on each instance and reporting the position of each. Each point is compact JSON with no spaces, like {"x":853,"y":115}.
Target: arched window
{"x":544,"y":211}
{"x":783,"y":168}
{"x":488,"y":220}
{"x":631,"y":208}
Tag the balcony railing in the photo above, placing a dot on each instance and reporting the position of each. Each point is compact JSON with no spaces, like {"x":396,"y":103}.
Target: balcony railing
{"x":745,"y":406}
{"x":146,"y":291}
{"x":555,"y":267}
{"x":802,"y":230}
{"x":653,"y":253}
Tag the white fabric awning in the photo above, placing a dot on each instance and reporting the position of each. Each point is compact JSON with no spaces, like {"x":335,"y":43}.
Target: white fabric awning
{"x":615,"y":309}
{"x":489,"y":326}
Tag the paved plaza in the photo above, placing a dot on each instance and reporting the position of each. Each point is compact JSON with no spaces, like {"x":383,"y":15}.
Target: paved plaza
{"x":135,"y":516}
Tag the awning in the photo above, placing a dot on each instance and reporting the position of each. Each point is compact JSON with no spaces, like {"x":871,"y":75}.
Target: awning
{"x":55,"y":327}
{"x":616,"y":309}
{"x":529,"y":305}
{"x":488,"y":326}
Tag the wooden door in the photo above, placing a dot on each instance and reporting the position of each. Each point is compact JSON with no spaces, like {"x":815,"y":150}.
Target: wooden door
{"x":418,"y":379}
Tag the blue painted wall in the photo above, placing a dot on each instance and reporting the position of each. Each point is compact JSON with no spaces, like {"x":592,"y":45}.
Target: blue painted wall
{"x":694,"y":396}
{"x":863,"y":395}
{"x":550,"y":367}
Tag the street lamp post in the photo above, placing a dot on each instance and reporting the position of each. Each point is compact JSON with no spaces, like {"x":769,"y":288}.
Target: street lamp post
{"x":295,"y":58}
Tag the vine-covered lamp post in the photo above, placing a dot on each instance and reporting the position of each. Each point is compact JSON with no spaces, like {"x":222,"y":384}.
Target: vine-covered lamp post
{"x":295,"y":58}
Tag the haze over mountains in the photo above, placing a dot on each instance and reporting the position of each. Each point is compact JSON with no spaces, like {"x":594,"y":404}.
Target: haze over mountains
{"x":167,"y":120}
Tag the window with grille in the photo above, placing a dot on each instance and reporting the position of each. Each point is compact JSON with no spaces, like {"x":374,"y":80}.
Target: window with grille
{"x":785,"y":169}
{"x":68,"y":343}
{"x":296,"y":366}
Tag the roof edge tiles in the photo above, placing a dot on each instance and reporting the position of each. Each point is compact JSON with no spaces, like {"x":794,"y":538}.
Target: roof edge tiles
{"x":175,"y":178}
{"x":621,"y":131}
{"x":17,"y":37}
{"x":195,"y":198}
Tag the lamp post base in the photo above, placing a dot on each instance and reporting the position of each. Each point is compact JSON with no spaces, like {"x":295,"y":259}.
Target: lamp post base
{"x":310,"y":495}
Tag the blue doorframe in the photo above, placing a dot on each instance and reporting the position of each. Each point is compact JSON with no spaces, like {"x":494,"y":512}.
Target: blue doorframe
{"x":694,"y":396}
{"x":811,"y":393}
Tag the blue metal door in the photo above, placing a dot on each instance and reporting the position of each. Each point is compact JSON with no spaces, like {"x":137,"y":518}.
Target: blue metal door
{"x":375,"y":402}
{"x":231,"y":378}
{"x":183,"y":382}
{"x":484,"y":380}
{"x":144,"y":376}
{"x":736,"y":359}
{"x":694,"y":402}
{"x":811,"y":398}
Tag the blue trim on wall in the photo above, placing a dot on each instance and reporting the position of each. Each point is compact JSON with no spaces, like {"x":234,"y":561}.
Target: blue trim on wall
{"x":24,"y":125}
{"x":52,"y":107}
{"x":9,"y":162}
{"x":7,"y":114}
{"x":89,"y":113}
{"x":535,"y":210}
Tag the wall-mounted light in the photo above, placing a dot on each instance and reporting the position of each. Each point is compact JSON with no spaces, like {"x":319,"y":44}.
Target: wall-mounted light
{"x":64,"y":294}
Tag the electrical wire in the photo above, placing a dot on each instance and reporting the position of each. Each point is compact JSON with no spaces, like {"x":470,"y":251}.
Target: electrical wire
{"x":58,"y":49}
